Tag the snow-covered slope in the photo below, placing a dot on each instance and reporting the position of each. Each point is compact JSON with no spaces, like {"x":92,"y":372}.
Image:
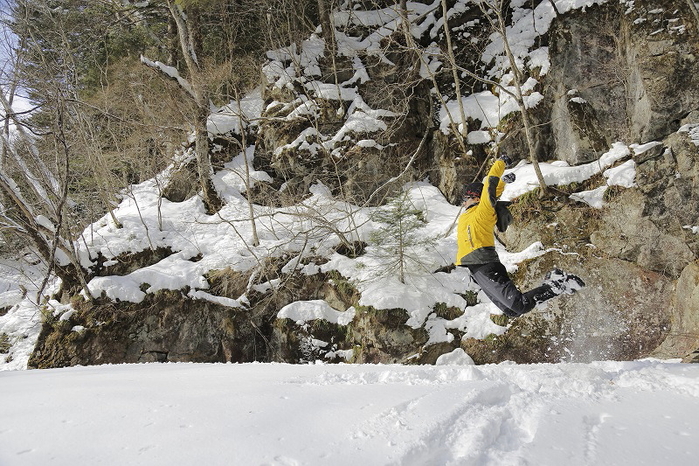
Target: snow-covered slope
{"x":223,"y":241}
{"x":201,"y":243}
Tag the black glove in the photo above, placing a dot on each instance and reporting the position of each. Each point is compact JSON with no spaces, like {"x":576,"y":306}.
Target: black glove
{"x":506,"y":158}
{"x":509,"y":178}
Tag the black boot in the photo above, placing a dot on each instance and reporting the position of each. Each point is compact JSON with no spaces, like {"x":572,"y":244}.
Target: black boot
{"x":540,"y":294}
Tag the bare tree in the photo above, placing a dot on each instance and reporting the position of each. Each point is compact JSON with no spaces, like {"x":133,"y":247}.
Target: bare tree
{"x":693,"y":8}
{"x":190,"y":40}
{"x":325,"y":9}
{"x":56,"y":171}
{"x":454,"y":69}
{"x":36,"y":166}
{"x":38,"y":213}
{"x":245,"y":177}
{"x":418,"y":51}
{"x":494,"y":11}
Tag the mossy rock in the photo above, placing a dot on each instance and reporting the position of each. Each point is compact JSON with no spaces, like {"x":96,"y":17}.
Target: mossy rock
{"x":500,"y":319}
{"x":166,"y":324}
{"x":528,"y":340}
{"x":447,"y":312}
{"x":383,"y":336}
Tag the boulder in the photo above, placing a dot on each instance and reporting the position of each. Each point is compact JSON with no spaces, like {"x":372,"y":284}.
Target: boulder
{"x":625,"y":232}
{"x":620,"y":73}
{"x":683,"y":337}
{"x":580,"y":137}
{"x":621,"y":314}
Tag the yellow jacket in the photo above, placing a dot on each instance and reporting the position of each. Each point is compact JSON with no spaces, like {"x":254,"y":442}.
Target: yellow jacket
{"x":474,"y":232}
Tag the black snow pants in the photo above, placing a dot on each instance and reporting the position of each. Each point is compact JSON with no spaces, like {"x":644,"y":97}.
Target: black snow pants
{"x":497,"y":286}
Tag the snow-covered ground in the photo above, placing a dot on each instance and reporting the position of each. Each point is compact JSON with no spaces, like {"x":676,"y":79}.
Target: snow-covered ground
{"x":605,"y":413}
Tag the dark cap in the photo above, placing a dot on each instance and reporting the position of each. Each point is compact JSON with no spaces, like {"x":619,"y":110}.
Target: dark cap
{"x":473,"y":190}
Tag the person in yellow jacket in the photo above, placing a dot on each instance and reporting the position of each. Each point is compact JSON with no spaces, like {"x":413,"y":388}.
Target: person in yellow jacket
{"x":476,"y":249}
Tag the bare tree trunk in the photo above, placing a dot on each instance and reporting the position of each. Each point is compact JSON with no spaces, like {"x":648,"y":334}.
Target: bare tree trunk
{"x":70,"y":274}
{"x":403,"y":10}
{"x":531,"y":146}
{"x":68,"y":248}
{"x":328,"y":30}
{"x":454,"y":70}
{"x":190,"y":39}
{"x":401,"y":252}
{"x":412,"y":45}
{"x":248,"y":184}
{"x":695,"y":12}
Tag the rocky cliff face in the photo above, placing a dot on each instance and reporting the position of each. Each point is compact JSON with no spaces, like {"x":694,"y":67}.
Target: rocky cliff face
{"x":630,"y":74}
{"x":619,"y":72}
